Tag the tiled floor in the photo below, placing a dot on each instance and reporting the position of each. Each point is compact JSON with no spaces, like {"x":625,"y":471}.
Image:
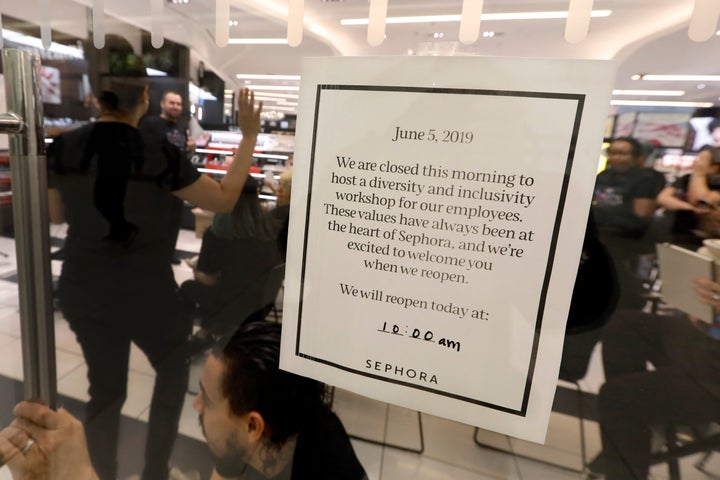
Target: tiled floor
{"x":449,"y":449}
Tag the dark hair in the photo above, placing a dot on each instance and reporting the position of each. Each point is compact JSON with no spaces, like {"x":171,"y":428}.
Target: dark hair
{"x":253,"y":381}
{"x":715,"y":123}
{"x":121,"y":94}
{"x":248,"y":219}
{"x":637,"y":148}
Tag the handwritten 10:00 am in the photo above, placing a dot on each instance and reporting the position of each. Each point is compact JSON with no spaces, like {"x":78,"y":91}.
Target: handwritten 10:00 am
{"x":431,"y":135}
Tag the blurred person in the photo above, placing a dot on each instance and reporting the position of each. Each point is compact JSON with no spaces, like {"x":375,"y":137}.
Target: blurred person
{"x":237,"y":251}
{"x":281,"y":212}
{"x":259,"y":422}
{"x":623,"y":207}
{"x":168,"y":135}
{"x":114,"y":293}
{"x":694,"y":212}
{"x":704,"y":181}
{"x":682,"y":389}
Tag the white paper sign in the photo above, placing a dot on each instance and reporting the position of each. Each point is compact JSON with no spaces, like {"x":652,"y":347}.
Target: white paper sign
{"x":438,"y":210}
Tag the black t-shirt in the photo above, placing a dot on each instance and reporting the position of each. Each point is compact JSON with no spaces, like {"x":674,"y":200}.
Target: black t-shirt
{"x":615,"y":192}
{"x":89,"y":258}
{"x":164,"y":138}
{"x":323,"y":452}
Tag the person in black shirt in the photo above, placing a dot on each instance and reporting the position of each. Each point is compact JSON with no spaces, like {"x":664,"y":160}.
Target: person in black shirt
{"x":113,"y":293}
{"x":167,"y":136}
{"x":623,"y":206}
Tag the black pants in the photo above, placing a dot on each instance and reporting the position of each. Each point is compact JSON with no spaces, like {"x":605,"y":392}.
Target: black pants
{"x":155,"y":324}
{"x":683,"y":389}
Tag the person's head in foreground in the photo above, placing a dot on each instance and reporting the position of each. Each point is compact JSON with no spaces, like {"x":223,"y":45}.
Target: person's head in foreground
{"x":259,"y":418}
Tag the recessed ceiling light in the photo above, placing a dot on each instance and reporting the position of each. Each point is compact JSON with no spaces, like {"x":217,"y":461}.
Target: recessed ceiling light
{"x":654,"y":103}
{"x":682,"y":78}
{"x":649,"y":93}
{"x":485,"y":17}
{"x":253,"y":76}
{"x":280,"y":88}
{"x":284,"y":109}
{"x":701,"y":86}
{"x":637,"y":76}
{"x":277,"y":95}
{"x":488,"y":34}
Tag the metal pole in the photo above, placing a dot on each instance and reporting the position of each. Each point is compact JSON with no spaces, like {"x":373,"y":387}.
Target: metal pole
{"x":30,"y":218}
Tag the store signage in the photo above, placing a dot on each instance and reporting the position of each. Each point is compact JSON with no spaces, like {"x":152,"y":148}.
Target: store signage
{"x":438,"y":210}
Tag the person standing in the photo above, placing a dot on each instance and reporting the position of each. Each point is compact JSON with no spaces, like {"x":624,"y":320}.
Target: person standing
{"x":623,"y":206}
{"x":113,"y":293}
{"x":167,"y":135}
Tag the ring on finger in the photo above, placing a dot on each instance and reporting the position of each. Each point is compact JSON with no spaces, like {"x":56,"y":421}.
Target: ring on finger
{"x":28,"y":446}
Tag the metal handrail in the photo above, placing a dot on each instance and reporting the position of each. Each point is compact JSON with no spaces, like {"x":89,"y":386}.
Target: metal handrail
{"x":28,"y":173}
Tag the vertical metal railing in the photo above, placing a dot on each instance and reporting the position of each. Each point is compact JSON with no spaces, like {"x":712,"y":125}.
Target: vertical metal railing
{"x":28,"y":170}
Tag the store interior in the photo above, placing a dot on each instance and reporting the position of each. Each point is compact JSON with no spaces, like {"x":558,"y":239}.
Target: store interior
{"x":207,"y":50}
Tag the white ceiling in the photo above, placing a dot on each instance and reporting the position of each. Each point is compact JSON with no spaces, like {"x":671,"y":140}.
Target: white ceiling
{"x":644,"y":36}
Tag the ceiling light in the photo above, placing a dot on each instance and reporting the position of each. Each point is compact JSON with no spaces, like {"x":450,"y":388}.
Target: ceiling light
{"x":98,"y":23}
{"x":280,"y":88}
{"x":222,"y":22}
{"x":637,"y":76}
{"x":485,"y":17}
{"x":682,"y":78}
{"x":471,"y":16}
{"x":258,"y":41}
{"x":252,"y":76}
{"x":376,"y":22}
{"x":268,"y":99}
{"x":37,"y":43}
{"x":488,"y":34}
{"x":653,"y":103}
{"x":283,"y":109}
{"x":296,"y":16}
{"x":651,"y":93}
{"x":578,"y":22}
{"x":233,"y":23}
{"x":277,"y":95}
{"x":701,"y":86}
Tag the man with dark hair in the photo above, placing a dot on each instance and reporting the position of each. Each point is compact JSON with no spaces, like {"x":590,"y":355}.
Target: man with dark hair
{"x":260,"y":422}
{"x":264,"y":421}
{"x":166,"y":135}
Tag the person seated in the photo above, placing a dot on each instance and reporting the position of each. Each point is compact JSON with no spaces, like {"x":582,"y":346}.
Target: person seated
{"x":237,"y":250}
{"x":693,"y":211}
{"x":259,"y":422}
{"x":683,"y":388}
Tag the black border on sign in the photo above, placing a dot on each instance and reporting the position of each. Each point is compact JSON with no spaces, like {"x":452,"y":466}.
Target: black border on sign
{"x":580,"y":100}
